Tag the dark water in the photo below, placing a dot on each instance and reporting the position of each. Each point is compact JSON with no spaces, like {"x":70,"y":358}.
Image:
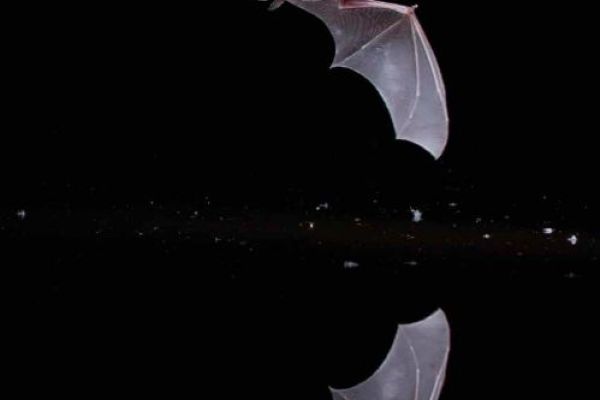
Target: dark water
{"x":260,"y":303}
{"x":191,"y":210}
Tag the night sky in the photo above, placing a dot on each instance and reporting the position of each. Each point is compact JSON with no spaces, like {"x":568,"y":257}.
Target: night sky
{"x":193,"y":202}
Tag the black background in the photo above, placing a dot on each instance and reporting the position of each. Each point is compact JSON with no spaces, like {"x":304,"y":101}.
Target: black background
{"x":170,"y":157}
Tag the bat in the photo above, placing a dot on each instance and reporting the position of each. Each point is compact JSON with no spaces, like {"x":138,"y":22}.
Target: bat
{"x":415,"y":367}
{"x":385,"y":43}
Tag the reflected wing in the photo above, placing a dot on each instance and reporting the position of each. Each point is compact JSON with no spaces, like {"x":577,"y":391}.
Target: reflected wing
{"x":386,"y":44}
{"x":414,"y":368}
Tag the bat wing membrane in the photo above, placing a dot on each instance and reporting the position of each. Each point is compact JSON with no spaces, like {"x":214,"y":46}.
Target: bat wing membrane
{"x":414,"y":368}
{"x":391,"y":50}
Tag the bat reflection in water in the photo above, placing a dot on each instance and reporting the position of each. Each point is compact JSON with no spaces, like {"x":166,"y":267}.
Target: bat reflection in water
{"x":414,"y":368}
{"x":385,"y":43}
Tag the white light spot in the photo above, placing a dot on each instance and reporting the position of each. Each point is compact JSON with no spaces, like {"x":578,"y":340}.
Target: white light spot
{"x":417,"y":215}
{"x":548,"y":231}
{"x":21,"y":214}
{"x":351,"y":264}
{"x":487,"y":236}
{"x":322,"y":206}
{"x":573,"y":239}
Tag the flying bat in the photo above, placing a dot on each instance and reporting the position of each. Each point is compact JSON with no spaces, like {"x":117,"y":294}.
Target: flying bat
{"x":414,"y":368}
{"x":385,"y":43}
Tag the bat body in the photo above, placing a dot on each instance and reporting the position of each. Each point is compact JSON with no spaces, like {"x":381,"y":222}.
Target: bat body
{"x":415,"y":367}
{"x":386,"y":44}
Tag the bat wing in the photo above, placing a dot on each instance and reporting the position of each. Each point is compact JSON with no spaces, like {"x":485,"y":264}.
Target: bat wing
{"x":414,"y":368}
{"x":386,"y":44}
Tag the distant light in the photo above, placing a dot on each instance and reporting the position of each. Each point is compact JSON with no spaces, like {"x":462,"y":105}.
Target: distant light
{"x":417,"y":215}
{"x":322,"y":206}
{"x":573,"y":239}
{"x":351,"y":264}
{"x":21,"y":214}
{"x":487,"y":236}
{"x":548,"y":231}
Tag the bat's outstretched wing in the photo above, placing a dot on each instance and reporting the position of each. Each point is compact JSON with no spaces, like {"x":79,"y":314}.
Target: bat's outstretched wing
{"x":385,"y":43}
{"x":414,"y":368}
